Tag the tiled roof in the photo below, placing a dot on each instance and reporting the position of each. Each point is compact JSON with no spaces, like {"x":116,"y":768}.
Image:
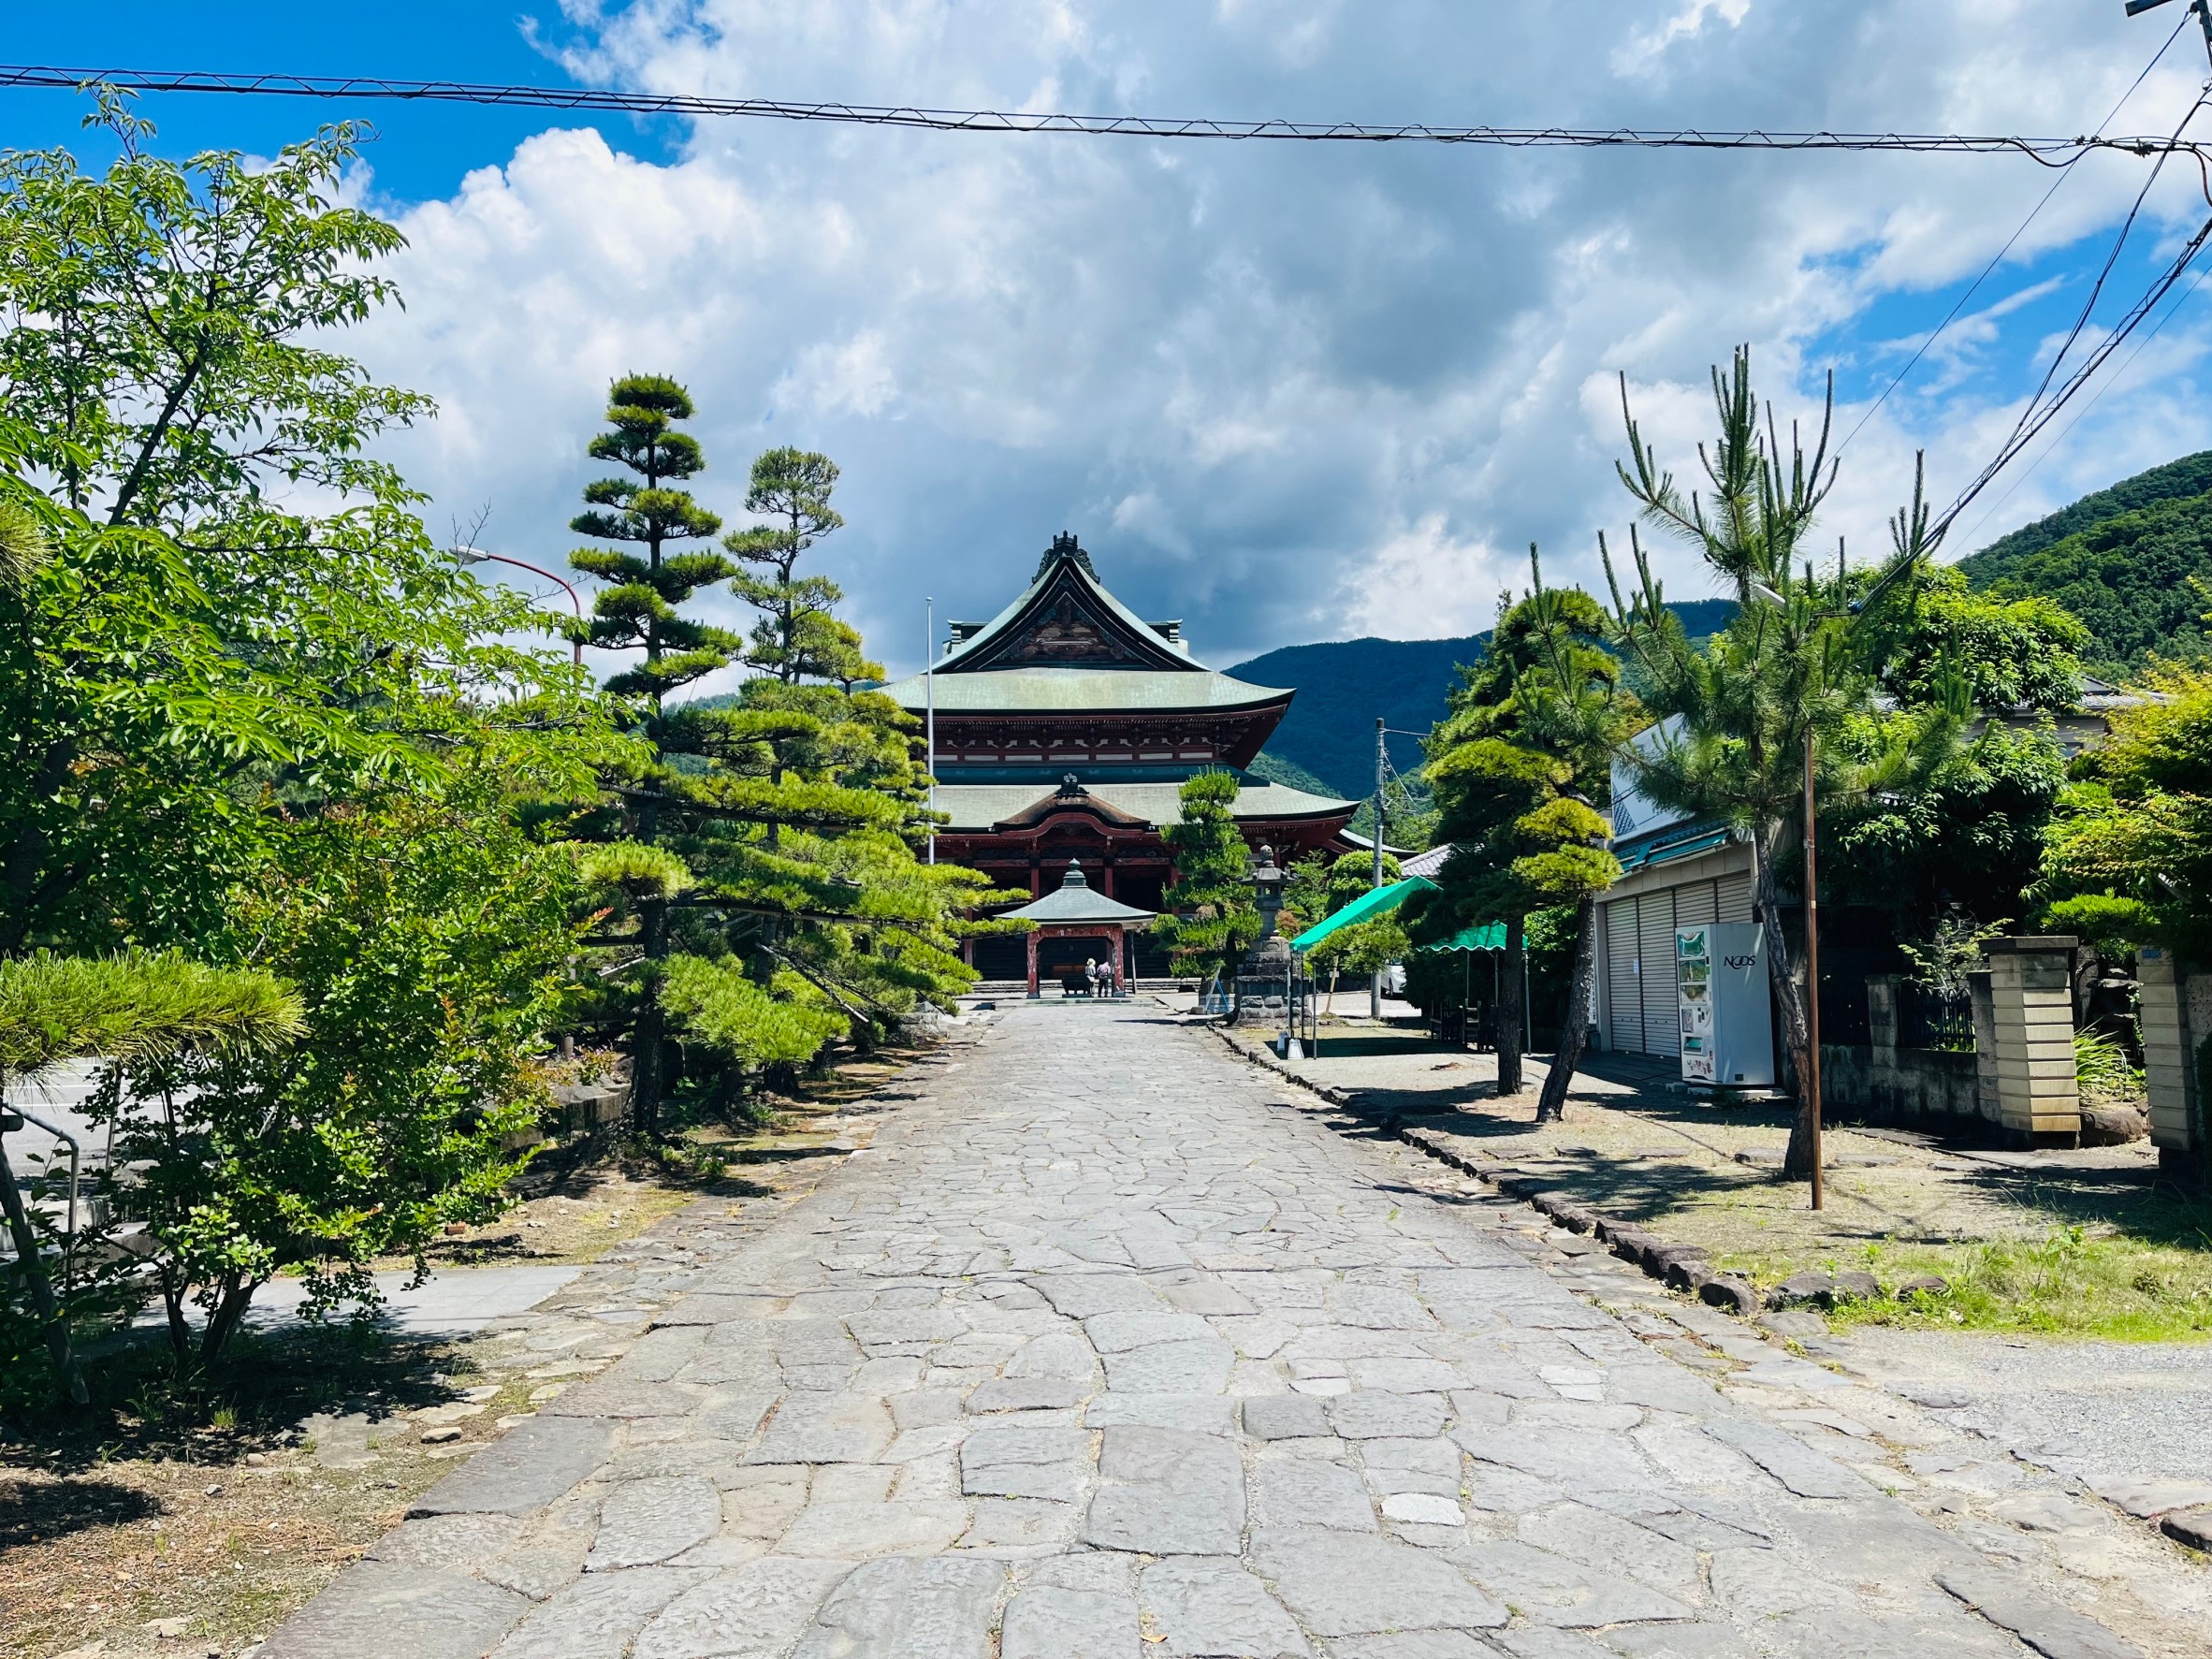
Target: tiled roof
{"x":1081,"y":691}
{"x":979,"y":805}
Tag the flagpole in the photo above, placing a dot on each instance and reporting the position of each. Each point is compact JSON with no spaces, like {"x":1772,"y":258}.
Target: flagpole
{"x":929,"y":688}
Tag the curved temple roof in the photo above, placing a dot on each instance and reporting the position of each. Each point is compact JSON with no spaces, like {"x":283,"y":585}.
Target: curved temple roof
{"x":1077,"y":901}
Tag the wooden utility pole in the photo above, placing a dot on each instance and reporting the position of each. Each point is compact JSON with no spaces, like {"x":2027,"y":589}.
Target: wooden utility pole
{"x":1812,"y":1078}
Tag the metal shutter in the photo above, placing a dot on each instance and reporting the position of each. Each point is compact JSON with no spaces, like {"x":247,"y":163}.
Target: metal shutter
{"x":1734,"y":893}
{"x":1626,"y":1001}
{"x":1662,"y":1006}
{"x":1693,"y":904}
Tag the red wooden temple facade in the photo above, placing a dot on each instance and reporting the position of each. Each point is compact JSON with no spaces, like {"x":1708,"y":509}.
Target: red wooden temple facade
{"x":1066,"y":726}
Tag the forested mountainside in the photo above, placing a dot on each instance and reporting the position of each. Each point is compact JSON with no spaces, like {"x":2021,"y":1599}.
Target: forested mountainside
{"x":2126,"y":561}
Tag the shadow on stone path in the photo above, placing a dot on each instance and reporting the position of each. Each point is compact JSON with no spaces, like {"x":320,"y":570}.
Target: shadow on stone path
{"x":1100,"y":1351}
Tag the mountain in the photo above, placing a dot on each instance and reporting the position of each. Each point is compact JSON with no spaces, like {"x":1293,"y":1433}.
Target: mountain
{"x":1342,"y":685}
{"x":2122,"y":561}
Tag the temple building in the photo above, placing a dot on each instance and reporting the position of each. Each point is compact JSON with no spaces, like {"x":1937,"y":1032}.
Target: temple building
{"x":1066,"y":726}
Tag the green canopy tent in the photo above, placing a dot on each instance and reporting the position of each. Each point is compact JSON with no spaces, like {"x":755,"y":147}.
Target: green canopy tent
{"x":1490,"y":936}
{"x":1381,"y":901}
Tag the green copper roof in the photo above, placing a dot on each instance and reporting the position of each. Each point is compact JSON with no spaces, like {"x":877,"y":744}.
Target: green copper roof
{"x":979,"y":805}
{"x":1077,"y":901}
{"x":1081,"y":691}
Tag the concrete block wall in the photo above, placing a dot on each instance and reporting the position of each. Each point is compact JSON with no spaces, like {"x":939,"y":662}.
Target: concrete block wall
{"x":2175,"y":1023}
{"x":2032,"y":1015}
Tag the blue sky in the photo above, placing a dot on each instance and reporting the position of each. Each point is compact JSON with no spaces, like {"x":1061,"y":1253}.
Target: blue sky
{"x":1289,"y":393}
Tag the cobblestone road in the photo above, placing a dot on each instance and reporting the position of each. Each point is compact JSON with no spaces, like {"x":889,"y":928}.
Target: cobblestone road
{"x":1100,"y":1350}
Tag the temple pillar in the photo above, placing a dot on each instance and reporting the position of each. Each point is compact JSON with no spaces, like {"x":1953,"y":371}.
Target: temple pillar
{"x":1033,"y":954}
{"x":968,"y":952}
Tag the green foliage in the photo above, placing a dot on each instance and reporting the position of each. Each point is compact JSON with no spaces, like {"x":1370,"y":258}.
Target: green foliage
{"x":746,"y":1023}
{"x":133,"y":1007}
{"x":1320,"y":886}
{"x":2130,"y":855}
{"x":1364,"y":948}
{"x":2010,"y":650}
{"x":1970,"y":838}
{"x":637,"y":610}
{"x":1521,"y":765}
{"x":178,"y":646}
{"x":639,"y":870}
{"x":796,"y":637}
{"x":429,"y":941}
{"x":1796,"y":665}
{"x":2121,"y":560}
{"x":2101,"y":1068}
{"x":1213,"y":918}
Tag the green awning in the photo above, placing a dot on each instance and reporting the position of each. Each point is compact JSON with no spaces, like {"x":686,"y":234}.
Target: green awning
{"x":1491,"y":935}
{"x":1381,"y":901}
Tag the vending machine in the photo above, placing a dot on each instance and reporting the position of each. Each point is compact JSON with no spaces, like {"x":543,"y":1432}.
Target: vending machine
{"x":1720,"y":975}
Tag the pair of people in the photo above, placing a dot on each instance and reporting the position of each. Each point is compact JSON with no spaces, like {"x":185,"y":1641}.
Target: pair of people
{"x":1101,"y":975}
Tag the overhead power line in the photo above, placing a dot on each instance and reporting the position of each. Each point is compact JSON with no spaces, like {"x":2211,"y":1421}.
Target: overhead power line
{"x":2049,"y":151}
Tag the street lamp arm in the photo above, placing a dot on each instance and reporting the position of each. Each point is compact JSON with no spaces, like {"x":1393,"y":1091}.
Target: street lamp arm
{"x":468,"y":556}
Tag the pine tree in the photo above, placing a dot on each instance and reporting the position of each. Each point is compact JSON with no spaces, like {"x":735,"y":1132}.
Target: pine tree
{"x":796,"y":638}
{"x":1797,"y":667}
{"x":637,"y":612}
{"x":1521,"y":767}
{"x":1214,"y":919}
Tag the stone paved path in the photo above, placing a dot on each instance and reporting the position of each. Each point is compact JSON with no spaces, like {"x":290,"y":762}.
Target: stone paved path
{"x":1100,"y":1351}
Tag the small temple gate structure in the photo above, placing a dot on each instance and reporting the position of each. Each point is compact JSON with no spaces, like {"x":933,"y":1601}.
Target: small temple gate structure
{"x":1066,"y":726}
{"x":1078,"y":913}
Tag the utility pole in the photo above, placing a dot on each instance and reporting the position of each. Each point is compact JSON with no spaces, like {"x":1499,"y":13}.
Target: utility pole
{"x":1382,"y":761}
{"x":1811,"y":1080}
{"x":2202,"y":7}
{"x":929,"y":692}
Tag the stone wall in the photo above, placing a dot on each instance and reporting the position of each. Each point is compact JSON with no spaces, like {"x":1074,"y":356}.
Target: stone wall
{"x":1910,"y":1086}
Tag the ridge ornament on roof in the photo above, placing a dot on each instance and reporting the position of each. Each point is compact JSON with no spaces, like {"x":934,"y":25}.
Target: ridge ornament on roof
{"x":1067,"y":619}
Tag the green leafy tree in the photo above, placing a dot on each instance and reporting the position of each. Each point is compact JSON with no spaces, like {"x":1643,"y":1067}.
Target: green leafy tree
{"x":1214,"y":919}
{"x":2130,"y":853}
{"x":133,"y":1007}
{"x":1792,"y":673}
{"x":429,"y":940}
{"x":1521,"y":767}
{"x":178,"y":643}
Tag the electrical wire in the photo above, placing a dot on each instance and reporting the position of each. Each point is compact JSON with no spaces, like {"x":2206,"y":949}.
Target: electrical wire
{"x":1975,"y":286}
{"x":2047,"y":151}
{"x":2112,"y":379}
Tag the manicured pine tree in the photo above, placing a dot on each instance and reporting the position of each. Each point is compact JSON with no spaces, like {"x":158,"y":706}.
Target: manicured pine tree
{"x":1522,"y":770}
{"x":637,"y":612}
{"x":1214,"y":919}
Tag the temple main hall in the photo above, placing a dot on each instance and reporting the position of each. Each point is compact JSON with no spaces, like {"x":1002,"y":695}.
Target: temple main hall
{"x":1066,"y":726}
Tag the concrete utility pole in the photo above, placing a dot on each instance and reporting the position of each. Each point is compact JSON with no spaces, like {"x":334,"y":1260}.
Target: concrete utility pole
{"x":1382,"y":761}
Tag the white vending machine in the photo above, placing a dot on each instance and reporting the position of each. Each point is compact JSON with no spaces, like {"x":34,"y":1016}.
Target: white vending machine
{"x":1720,"y":974}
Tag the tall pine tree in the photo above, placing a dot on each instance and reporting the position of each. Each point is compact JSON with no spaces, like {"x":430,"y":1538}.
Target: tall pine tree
{"x":637,"y":612}
{"x":1214,"y":919}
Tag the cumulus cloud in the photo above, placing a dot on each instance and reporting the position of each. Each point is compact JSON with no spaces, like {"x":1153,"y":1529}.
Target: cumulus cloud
{"x":1287,"y":392}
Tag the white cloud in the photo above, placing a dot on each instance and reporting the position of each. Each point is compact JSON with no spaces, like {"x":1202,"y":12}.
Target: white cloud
{"x":1284,"y":391}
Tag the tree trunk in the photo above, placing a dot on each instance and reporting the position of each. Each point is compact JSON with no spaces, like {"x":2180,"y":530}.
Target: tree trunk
{"x":650,"y":1031}
{"x":34,"y":1272}
{"x":1574,"y":1036}
{"x":223,"y":1320}
{"x":1509,"y":1012}
{"x":1789,"y":997}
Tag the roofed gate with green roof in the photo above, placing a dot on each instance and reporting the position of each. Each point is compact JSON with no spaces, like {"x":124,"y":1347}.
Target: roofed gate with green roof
{"x":1066,"y":726}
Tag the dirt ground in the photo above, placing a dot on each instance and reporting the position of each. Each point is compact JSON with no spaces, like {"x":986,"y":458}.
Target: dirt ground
{"x":2089,"y":1242}
{"x":185,"y":1522}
